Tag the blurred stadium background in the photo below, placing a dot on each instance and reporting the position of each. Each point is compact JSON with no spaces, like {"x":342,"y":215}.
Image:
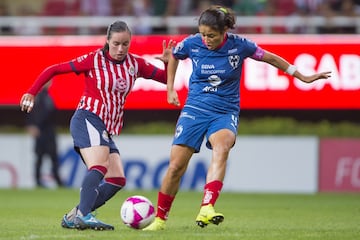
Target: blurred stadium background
{"x":284,"y":25}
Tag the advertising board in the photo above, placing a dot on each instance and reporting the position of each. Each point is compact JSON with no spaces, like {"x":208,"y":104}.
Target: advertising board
{"x":262,"y":86}
{"x":279,"y":166}
{"x":339,"y":165}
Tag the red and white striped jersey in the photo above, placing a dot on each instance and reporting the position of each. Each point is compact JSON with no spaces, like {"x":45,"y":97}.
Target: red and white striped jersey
{"x":107,"y":83}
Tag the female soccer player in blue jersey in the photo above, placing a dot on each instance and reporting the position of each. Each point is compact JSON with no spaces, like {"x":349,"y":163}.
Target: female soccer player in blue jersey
{"x":110,"y":74}
{"x":212,"y":106}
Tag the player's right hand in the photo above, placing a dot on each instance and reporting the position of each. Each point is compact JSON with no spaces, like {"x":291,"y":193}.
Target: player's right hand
{"x":27,"y":102}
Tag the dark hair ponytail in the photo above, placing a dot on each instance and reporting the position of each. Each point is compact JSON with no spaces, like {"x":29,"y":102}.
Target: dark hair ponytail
{"x":117,"y":26}
{"x":218,"y":17}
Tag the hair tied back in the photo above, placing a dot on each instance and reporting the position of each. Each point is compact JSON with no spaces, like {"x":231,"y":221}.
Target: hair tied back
{"x":224,"y":10}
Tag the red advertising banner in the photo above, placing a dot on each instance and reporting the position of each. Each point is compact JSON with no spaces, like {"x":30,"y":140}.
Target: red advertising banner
{"x":262,"y":86}
{"x":339,"y":165}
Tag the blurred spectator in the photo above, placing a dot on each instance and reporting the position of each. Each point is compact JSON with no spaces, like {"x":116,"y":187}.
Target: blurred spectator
{"x":185,"y":8}
{"x":163,"y":8}
{"x":327,"y":11}
{"x":308,"y":7}
{"x":357,"y":7}
{"x":40,"y":125}
{"x":58,"y":8}
{"x":4,"y":12}
{"x":271,"y":8}
{"x":335,"y":5}
{"x":303,"y":9}
{"x":94,"y":8}
{"x":249,"y":7}
{"x":333,"y":8}
{"x":284,"y":7}
{"x":140,"y":9}
{"x":27,"y":27}
{"x":226,"y":3}
{"x":143,"y":10}
{"x":120,"y":7}
{"x":348,"y":9}
{"x":202,"y":5}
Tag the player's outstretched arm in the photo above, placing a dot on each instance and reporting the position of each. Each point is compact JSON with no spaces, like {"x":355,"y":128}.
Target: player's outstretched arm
{"x":172,"y":96}
{"x":285,"y":66}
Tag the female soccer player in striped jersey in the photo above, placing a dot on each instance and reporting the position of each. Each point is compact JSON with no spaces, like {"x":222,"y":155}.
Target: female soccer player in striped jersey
{"x":110,"y":74}
{"x":212,"y":107}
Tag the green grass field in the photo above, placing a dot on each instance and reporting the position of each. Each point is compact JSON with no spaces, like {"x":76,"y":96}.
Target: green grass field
{"x":36,"y":214}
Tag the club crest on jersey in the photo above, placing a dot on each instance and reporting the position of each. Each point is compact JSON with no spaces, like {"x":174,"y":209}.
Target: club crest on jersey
{"x":131,"y":71}
{"x":121,"y":84}
{"x":234,"y":61}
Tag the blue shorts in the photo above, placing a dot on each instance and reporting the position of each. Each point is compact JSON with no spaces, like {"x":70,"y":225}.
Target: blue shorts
{"x":194,"y":124}
{"x":88,"y":130}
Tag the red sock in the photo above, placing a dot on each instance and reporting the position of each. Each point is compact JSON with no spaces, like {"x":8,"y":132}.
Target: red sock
{"x":164,"y":204}
{"x":211,"y":192}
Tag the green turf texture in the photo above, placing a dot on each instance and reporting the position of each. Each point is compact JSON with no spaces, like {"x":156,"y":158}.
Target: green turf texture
{"x":36,"y":214}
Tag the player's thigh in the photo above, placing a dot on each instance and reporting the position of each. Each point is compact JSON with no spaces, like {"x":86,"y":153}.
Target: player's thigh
{"x":88,"y":130}
{"x":222,"y":131}
{"x":95,"y":155}
{"x":223,"y":140}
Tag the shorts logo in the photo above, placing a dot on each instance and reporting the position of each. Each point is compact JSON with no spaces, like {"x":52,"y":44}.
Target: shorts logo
{"x":105,"y":136}
{"x":234,"y":121}
{"x":187,"y":115}
{"x":178,"y":131}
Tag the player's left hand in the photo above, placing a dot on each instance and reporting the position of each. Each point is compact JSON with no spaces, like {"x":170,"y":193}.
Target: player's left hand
{"x":27,"y":102}
{"x":317,"y":76}
{"x":167,"y":51}
{"x":173,"y":98}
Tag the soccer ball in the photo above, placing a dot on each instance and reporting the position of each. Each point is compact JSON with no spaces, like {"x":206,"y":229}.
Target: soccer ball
{"x":137,"y":212}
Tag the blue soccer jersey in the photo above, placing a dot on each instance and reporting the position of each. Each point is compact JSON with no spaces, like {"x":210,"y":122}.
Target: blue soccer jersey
{"x":215,"y":81}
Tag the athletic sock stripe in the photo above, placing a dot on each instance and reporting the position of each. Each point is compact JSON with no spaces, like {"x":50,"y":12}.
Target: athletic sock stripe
{"x":99,"y":168}
{"x":117,"y":181}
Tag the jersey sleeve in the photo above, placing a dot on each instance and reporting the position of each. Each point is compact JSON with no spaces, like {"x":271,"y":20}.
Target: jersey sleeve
{"x":181,"y":49}
{"x":250,"y":47}
{"x":259,"y":54}
{"x":83,"y":63}
{"x":47,"y":75}
{"x":77,"y":65}
{"x":149,"y":71}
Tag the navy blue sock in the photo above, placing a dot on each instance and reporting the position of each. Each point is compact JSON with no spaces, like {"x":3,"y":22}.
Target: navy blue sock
{"x":106,"y":191}
{"x":88,"y":192}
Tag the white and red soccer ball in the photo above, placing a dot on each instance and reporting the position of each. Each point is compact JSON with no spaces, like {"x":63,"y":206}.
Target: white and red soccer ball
{"x":137,"y":212}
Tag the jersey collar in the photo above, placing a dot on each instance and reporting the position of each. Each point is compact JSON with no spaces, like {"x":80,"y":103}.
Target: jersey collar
{"x":223,"y":42}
